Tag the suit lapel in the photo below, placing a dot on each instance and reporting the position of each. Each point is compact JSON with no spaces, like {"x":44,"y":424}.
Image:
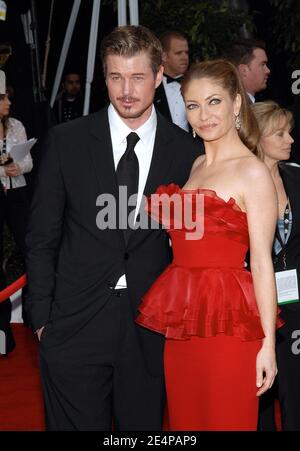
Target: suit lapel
{"x":100,"y":150}
{"x":162,"y":156}
{"x":101,"y":153}
{"x":160,"y":166}
{"x":161,"y":102}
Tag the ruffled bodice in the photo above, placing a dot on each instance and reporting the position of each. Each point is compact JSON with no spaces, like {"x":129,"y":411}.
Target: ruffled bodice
{"x":206,"y":290}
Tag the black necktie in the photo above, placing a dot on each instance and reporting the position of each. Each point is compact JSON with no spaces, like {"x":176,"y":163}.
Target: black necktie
{"x":128,"y":176}
{"x":171,"y":79}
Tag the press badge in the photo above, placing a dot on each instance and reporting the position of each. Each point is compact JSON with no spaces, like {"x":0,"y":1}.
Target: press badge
{"x":287,"y":286}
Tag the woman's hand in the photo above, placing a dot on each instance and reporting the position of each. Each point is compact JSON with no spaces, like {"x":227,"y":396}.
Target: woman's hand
{"x":266,"y":368}
{"x":12,"y":170}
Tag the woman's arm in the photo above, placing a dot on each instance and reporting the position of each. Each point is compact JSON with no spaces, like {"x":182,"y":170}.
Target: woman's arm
{"x":18,"y":133}
{"x":261,"y":205}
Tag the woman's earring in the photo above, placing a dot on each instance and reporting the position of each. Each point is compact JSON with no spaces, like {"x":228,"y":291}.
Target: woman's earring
{"x":194,"y":134}
{"x":237,"y":122}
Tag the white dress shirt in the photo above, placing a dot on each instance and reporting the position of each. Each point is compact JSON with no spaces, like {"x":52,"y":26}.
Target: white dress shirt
{"x":176,"y":103}
{"x":143,"y":150}
{"x":16,"y":134}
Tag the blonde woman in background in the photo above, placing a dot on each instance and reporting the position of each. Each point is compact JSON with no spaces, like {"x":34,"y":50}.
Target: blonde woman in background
{"x":275,"y":124}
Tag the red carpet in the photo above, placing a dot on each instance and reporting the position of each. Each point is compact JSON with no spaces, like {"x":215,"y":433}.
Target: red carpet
{"x":21,"y":406}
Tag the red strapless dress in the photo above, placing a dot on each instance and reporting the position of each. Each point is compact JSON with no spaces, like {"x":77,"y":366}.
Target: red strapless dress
{"x":204,"y":304}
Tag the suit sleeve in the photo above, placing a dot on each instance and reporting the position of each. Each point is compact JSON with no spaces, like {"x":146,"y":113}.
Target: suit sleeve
{"x":43,"y":234}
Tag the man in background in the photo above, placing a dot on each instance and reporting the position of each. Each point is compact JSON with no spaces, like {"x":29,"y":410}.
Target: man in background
{"x":249,"y":56}
{"x":69,"y":102}
{"x":168,"y":99}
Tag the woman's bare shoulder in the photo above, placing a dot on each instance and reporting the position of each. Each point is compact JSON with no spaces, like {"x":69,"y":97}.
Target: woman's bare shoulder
{"x":255,"y":182}
{"x":253,"y":168}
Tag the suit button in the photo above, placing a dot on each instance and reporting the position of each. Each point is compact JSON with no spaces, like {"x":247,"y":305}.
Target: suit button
{"x":126,"y":256}
{"x":111,"y":285}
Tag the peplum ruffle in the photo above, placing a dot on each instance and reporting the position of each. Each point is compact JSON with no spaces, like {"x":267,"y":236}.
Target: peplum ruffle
{"x":202,"y":301}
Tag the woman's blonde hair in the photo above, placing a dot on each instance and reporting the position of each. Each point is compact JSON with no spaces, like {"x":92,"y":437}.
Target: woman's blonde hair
{"x":226,"y":75}
{"x":270,"y":117}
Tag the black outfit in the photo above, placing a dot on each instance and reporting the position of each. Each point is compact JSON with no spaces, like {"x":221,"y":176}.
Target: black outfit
{"x":96,"y":363}
{"x":14,"y":205}
{"x":5,"y":306}
{"x":66,"y":110}
{"x":287,"y":386}
{"x":161,"y":102}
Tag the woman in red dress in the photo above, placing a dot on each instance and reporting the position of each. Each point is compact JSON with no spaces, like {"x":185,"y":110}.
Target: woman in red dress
{"x":219,"y":319}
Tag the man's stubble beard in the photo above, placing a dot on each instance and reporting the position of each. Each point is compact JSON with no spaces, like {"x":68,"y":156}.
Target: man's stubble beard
{"x":127,"y":114}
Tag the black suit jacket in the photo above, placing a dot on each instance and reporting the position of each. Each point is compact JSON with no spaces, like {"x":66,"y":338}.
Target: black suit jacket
{"x":72,"y":265}
{"x":291,"y":179}
{"x":295,"y":153}
{"x":161,"y":102}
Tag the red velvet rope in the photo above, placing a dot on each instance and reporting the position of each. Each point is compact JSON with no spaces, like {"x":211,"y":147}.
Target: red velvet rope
{"x":13,"y":288}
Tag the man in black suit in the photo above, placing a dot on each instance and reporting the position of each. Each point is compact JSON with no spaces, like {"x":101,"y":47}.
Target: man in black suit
{"x":168,"y":99}
{"x":86,"y":276}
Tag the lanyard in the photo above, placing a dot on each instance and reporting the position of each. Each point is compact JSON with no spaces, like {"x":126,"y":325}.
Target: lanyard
{"x":286,"y":222}
{"x":3,"y":150}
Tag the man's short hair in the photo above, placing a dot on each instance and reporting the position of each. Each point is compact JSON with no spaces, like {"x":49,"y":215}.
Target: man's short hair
{"x":129,"y":41}
{"x":165,"y":38}
{"x":241,"y":52}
